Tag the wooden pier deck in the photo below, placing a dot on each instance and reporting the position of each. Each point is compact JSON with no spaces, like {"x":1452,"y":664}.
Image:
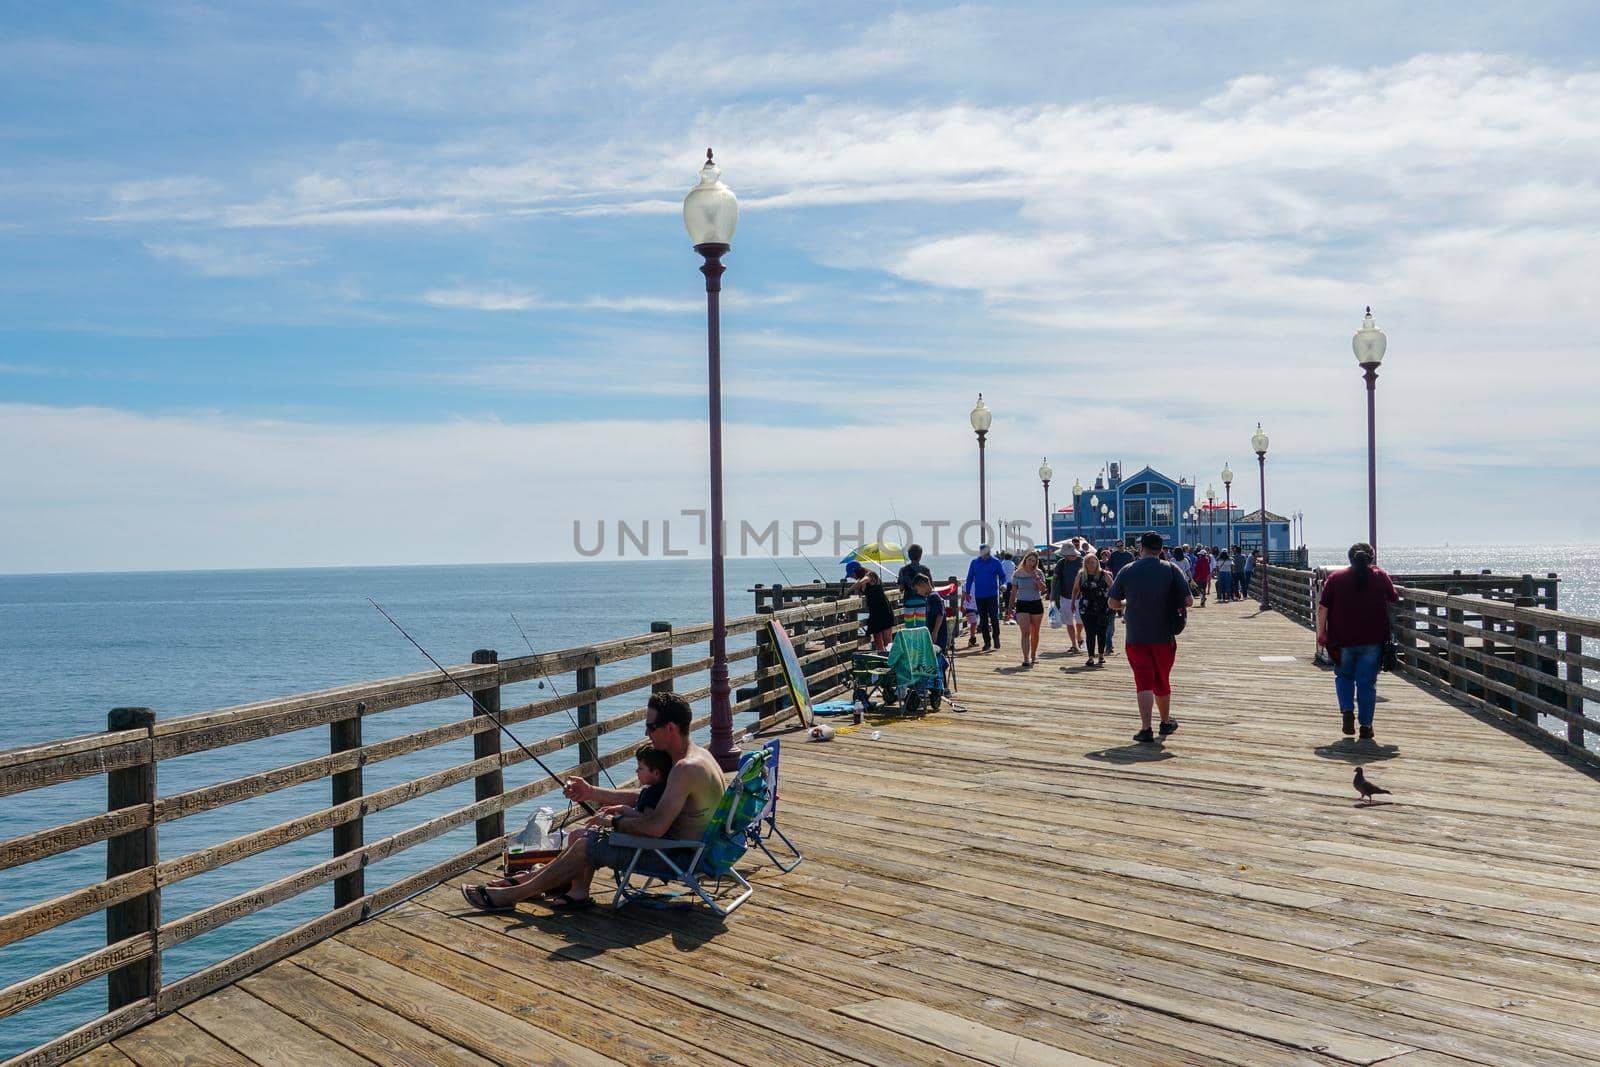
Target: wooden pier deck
{"x":1019,"y":884}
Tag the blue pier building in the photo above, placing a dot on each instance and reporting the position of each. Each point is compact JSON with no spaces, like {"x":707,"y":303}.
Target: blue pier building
{"x":1116,"y":508}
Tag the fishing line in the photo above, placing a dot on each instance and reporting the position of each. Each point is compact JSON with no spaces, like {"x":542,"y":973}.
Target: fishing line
{"x":476,"y":703}
{"x":570,"y":717}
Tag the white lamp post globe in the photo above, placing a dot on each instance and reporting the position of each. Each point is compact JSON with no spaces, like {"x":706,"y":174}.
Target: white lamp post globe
{"x":1046,"y":472}
{"x":1227,"y":474}
{"x":1369,"y":343}
{"x":1111,"y":516}
{"x":981,"y":418}
{"x":1094,"y":501}
{"x":1077,"y":487}
{"x":1258,"y":441}
{"x":710,"y":211}
{"x":1211,"y":494}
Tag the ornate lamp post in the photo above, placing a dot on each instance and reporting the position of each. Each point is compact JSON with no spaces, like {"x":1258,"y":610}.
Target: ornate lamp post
{"x":981,"y":419}
{"x":1211,"y":514}
{"x":710,"y":213}
{"x":1045,"y":474}
{"x":1369,"y":344}
{"x":1258,"y":444}
{"x":1116,"y":531}
{"x":1227,"y":486}
{"x":1077,"y":503}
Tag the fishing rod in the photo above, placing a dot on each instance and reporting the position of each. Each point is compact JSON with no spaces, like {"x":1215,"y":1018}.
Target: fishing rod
{"x":476,"y":703}
{"x":570,"y":717}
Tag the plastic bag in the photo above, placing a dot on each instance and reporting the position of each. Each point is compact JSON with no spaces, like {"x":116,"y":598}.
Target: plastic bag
{"x":1055,"y":617}
{"x":536,"y":835}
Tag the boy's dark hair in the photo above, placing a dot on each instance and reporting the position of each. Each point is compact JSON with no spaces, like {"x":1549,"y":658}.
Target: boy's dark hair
{"x":654,"y":758}
{"x":1150,"y":541}
{"x":670,"y":707}
{"x":921,"y":579}
{"x":914,"y":553}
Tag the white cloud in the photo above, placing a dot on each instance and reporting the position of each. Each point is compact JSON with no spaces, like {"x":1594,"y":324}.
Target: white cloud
{"x":217,"y":260}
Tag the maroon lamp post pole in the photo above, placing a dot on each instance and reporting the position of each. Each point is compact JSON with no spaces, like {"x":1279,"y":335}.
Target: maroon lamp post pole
{"x":710,"y":213}
{"x":1211,"y":516}
{"x":981,"y":418}
{"x":1258,"y":444}
{"x":1369,"y":345}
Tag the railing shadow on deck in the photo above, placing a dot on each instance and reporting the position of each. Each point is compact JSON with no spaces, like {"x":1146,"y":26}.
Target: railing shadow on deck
{"x":1494,"y":645}
{"x":128,"y":755}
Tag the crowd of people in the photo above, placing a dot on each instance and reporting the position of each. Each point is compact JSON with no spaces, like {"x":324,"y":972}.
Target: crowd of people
{"x":680,"y":782}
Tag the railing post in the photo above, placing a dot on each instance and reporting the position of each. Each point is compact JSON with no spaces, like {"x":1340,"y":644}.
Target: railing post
{"x":1574,"y":682}
{"x":1456,"y":642}
{"x":1529,"y":633}
{"x":486,"y":743}
{"x":129,"y":852}
{"x":349,"y":836}
{"x":588,"y":715}
{"x":766,"y":653}
{"x":662,"y":660}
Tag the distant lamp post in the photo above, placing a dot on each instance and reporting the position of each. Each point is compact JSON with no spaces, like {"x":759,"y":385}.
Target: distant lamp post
{"x":981,"y":418}
{"x":1369,"y":345}
{"x":1211,"y":514}
{"x":1046,"y":472}
{"x":1077,"y":503}
{"x":1258,"y":445}
{"x":1227,"y":486}
{"x":1116,"y":532}
{"x":710,"y":214}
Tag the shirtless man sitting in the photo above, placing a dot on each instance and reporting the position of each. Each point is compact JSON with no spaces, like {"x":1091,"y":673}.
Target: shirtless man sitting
{"x":694,"y":786}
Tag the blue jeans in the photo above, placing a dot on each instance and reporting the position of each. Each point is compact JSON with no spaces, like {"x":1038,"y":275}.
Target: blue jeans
{"x":1355,"y":680}
{"x":1244,"y":586}
{"x":1224,"y":585}
{"x":1111,"y":630}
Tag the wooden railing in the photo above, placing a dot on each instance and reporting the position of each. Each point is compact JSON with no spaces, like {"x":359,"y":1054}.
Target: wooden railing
{"x":1493,"y":641}
{"x":136,"y":743}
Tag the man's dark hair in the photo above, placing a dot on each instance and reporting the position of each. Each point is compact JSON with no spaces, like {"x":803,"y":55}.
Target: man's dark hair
{"x":914,"y":553}
{"x":656,"y":759}
{"x":670,"y":707}
{"x":1150,"y":541}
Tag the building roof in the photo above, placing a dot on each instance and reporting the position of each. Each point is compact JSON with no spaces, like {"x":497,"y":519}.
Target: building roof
{"x":1255,"y":516}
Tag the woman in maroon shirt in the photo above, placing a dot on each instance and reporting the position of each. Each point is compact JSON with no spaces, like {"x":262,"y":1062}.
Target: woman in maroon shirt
{"x":1353,"y":622}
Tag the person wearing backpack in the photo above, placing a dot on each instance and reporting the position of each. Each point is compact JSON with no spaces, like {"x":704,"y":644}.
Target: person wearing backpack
{"x":1091,"y":589}
{"x":1153,"y":594}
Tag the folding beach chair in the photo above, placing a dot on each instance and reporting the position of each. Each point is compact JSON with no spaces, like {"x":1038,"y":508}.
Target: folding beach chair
{"x":765,"y":828}
{"x":726,"y":838}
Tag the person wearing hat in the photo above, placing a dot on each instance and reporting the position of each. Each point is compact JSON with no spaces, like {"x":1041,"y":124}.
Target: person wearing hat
{"x":1067,"y":568}
{"x":985,"y":579}
{"x":880,"y":614}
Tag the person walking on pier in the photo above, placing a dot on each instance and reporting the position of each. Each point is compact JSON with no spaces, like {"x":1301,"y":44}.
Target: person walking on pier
{"x":1224,"y":571}
{"x":1152,"y":592}
{"x":1067,"y":568}
{"x":1202,"y":573}
{"x":1028,"y":587}
{"x":985,"y":577}
{"x":1353,"y":623}
{"x":1090,"y":590}
{"x":1242,"y":578}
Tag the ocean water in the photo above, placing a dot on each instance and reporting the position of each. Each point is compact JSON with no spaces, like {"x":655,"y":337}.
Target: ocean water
{"x":74,"y":646}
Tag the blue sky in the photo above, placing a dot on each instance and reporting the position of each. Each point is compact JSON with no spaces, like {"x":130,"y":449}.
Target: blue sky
{"x":300,"y":283}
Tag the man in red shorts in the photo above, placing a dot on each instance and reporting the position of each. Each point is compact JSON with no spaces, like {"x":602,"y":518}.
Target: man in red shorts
{"x":1150,"y":592}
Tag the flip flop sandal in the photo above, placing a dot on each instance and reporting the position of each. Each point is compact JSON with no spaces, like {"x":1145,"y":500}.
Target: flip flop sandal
{"x":478,"y":897}
{"x":566,"y":903}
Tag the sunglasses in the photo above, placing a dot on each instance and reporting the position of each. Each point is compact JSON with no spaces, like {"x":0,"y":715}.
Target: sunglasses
{"x":650,"y":727}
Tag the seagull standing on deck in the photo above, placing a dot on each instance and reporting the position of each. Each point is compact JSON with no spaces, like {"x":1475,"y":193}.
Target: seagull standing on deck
{"x":1367,"y":789}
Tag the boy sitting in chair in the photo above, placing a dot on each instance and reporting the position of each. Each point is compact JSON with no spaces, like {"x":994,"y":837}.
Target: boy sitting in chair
{"x":694,"y":786}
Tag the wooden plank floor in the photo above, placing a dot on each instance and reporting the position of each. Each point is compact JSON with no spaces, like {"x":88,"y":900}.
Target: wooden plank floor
{"x":1019,"y":884}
